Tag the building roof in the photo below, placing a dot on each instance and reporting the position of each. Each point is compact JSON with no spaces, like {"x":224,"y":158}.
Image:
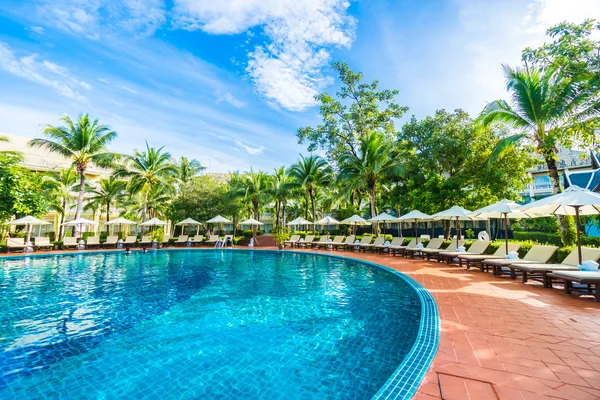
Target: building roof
{"x":567,"y":159}
{"x":38,"y":159}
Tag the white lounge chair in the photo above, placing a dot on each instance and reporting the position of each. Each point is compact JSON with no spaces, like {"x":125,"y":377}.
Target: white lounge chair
{"x":92,"y":241}
{"x":15,"y":244}
{"x":111,"y":241}
{"x":197,"y":240}
{"x":70,"y":242}
{"x":182,"y":240}
{"x":292,"y":241}
{"x":43,"y":242}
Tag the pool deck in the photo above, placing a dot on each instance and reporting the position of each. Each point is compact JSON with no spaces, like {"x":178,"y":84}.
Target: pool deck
{"x":502,"y":339}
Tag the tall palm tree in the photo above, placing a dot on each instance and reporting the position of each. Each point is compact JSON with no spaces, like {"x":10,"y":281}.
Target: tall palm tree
{"x":108,"y":191}
{"x":14,"y":154}
{"x":257,"y":187}
{"x":310,"y":173}
{"x":60,"y":185}
{"x":83,"y":142}
{"x":545,"y":107}
{"x":373,"y":162}
{"x":281,"y":191}
{"x":147,"y":169}
{"x":188,"y":169}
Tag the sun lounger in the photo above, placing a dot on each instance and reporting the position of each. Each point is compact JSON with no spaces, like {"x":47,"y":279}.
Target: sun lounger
{"x":538,"y":254}
{"x":92,"y":241}
{"x":541,"y":272}
{"x":590,"y":280}
{"x":181,"y":240}
{"x":15,"y":244}
{"x":371,"y":246}
{"x":330,"y":244}
{"x":478,"y":247}
{"x":43,"y":242}
{"x":321,"y":242}
{"x":165,"y":241}
{"x":396,"y":241}
{"x":393,"y":249}
{"x":434,"y":244}
{"x":292,"y":241}
{"x":146,"y":241}
{"x":111,"y":241}
{"x":365,"y":240}
{"x":473,"y":260}
{"x":197,"y":240}
{"x":347,"y":242}
{"x":130,"y":241}
{"x":306,"y":241}
{"x":212,"y":240}
{"x":435,"y":253}
{"x":70,"y":242}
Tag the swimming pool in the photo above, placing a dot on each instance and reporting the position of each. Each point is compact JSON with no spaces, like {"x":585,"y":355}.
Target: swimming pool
{"x":210,"y":324}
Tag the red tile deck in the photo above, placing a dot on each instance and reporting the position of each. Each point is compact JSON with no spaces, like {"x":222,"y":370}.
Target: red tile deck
{"x":502,"y":339}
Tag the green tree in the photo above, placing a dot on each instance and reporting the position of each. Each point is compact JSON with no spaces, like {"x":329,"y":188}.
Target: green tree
{"x":59,"y":186}
{"x":373,"y":161}
{"x":257,"y":190}
{"x":21,"y":191}
{"x":281,"y":191}
{"x":355,"y":111}
{"x":310,"y":173}
{"x":188,"y":169}
{"x":146,"y":170}
{"x":83,"y":142}
{"x":108,"y":191}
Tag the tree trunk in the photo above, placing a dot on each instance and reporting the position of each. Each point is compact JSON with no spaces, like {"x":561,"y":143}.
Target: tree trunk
{"x":80,"y":196}
{"x":62,"y":220}
{"x":565,"y":223}
{"x":107,"y":214}
{"x":372,"y":200}
{"x":312,"y":207}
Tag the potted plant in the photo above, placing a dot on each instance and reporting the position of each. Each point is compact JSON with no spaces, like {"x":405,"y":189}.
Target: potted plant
{"x":280,"y":235}
{"x":158,"y":236}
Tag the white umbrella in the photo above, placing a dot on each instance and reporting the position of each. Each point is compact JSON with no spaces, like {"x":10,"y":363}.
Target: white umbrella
{"x":355,"y":221}
{"x":81,"y":222}
{"x":383,"y":217}
{"x":457,"y":214}
{"x":28,"y":221}
{"x":121,"y":221}
{"x":414,"y":216}
{"x":328,"y":221}
{"x":153,"y":222}
{"x":573,"y":201}
{"x":299,"y":221}
{"x":190,"y":222}
{"x":503,"y":209}
{"x":218,"y":220}
{"x":251,"y":221}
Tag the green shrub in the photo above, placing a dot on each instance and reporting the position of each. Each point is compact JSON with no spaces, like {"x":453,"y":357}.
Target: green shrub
{"x":590,"y":241}
{"x":58,"y":243}
{"x":539,"y":237}
{"x":51,"y":235}
{"x":85,"y":235}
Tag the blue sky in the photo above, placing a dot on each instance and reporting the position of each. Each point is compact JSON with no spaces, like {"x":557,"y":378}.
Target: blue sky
{"x":229,"y":82}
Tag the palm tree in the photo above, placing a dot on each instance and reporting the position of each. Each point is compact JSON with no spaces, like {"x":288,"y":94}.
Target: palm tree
{"x":60,"y":185}
{"x":107,"y":191}
{"x":309,"y":173}
{"x":281,"y":192}
{"x":257,"y":187}
{"x":147,"y":169}
{"x":188,"y":169}
{"x":545,"y":107}
{"x":17,"y":155}
{"x":373,"y":162}
{"x":83,"y":142}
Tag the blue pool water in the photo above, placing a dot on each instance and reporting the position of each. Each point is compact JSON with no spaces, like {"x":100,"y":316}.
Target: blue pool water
{"x":201,"y":324}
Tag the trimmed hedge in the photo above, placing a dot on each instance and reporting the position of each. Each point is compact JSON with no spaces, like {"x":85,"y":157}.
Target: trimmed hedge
{"x":539,"y":237}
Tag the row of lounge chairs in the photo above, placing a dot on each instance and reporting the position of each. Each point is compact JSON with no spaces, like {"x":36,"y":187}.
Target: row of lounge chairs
{"x":13,"y":244}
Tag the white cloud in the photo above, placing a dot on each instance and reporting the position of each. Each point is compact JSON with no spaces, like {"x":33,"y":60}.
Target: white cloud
{"x":249,"y":149}
{"x":227,"y":97}
{"x":43,"y":72}
{"x":287,"y":68}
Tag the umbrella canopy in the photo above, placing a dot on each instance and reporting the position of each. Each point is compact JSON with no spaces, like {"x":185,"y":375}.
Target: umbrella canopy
{"x":503,"y":209}
{"x":80,"y":222}
{"x":29,"y":221}
{"x":573,"y":201}
{"x":414,"y":216}
{"x":355,"y":220}
{"x":251,"y":221}
{"x":218,"y":220}
{"x":121,"y":221}
{"x":188,"y":221}
{"x":328,"y":221}
{"x":383,"y":217}
{"x":299,"y":221}
{"x":153,"y":222}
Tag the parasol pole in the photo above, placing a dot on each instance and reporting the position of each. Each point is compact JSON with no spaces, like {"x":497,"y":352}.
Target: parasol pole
{"x":457,"y":232}
{"x":579,"y":236}
{"x":506,"y":231}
